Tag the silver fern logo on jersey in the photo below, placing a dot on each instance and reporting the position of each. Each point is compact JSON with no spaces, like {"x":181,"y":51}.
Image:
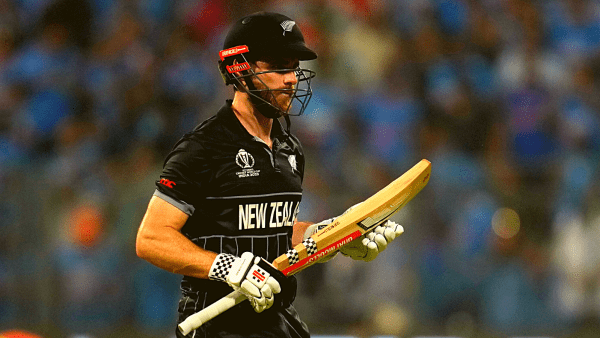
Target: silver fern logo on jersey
{"x":287,"y":26}
{"x":292,"y":160}
{"x":245,"y":160}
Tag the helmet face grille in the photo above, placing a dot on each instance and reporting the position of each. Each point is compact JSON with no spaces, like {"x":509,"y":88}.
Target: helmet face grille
{"x":300,"y":97}
{"x":301,"y":93}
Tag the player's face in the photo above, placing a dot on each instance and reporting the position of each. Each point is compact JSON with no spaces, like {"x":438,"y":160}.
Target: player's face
{"x":280,"y":78}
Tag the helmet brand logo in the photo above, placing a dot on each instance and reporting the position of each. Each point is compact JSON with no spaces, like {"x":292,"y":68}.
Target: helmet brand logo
{"x":233,"y":51}
{"x":287,"y":26}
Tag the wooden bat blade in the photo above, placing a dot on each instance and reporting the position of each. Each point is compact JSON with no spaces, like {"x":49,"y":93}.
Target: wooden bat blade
{"x":361,"y":219}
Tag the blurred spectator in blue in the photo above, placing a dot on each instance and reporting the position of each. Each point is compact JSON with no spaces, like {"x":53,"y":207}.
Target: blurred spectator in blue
{"x":573,"y":27}
{"x":391,"y":116}
{"x":155,"y":294}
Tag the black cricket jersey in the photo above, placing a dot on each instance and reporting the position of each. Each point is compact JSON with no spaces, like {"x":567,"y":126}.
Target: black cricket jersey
{"x":241,"y":196}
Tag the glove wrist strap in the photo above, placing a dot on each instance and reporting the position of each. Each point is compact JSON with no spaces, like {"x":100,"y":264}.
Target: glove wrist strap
{"x":221,"y":267}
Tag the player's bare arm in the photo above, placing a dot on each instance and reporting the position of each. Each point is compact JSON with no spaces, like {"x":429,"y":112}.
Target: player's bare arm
{"x":299,"y":231}
{"x":160,"y":242}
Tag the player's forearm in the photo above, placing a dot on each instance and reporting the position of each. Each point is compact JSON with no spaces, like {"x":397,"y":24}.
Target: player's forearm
{"x":160,"y":242}
{"x":173,"y":252}
{"x":299,"y":230}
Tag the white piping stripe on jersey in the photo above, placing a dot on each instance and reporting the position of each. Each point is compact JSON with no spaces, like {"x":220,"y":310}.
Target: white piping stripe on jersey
{"x":196,"y":302}
{"x":253,"y":196}
{"x":201,"y":241}
{"x":234,"y":237}
{"x":204,"y":302}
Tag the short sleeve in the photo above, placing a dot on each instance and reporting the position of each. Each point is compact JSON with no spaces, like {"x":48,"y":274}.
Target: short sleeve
{"x":185,"y":175}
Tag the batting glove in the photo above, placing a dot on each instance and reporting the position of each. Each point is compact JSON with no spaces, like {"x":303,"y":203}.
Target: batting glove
{"x":312,"y":229}
{"x":256,"y":278}
{"x":368,"y":246}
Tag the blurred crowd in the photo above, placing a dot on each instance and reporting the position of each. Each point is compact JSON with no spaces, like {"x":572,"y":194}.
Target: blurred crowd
{"x":502,"y":96}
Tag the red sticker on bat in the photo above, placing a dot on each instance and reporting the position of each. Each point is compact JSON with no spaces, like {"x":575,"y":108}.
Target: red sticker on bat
{"x":323,"y":252}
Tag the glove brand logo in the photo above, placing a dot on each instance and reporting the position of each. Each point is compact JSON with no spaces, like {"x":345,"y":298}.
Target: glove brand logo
{"x":246,"y":161}
{"x":287,"y":26}
{"x":258,"y":275}
{"x":167,"y":183}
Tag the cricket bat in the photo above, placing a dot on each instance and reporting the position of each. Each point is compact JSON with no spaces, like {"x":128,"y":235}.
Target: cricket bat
{"x":361,"y":219}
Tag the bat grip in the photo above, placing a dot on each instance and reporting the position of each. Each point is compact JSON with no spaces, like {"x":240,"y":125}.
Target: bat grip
{"x":197,"y":319}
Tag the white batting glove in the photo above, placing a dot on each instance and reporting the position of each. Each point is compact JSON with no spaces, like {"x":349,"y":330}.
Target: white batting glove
{"x":252,"y":275}
{"x":367,"y":247}
{"x":312,"y":229}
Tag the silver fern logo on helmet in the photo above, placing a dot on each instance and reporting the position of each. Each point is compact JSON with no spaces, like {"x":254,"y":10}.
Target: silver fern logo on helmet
{"x":287,"y":26}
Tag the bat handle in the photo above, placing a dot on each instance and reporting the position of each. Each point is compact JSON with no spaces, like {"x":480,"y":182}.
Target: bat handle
{"x":197,"y":319}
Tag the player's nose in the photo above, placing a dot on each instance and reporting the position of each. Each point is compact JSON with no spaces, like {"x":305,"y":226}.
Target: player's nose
{"x":290,"y":78}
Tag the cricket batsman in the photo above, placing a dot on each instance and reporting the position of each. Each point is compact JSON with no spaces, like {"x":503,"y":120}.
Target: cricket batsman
{"x":226,"y":202}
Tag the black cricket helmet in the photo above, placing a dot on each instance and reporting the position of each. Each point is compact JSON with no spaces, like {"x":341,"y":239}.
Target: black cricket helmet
{"x":266,"y":36}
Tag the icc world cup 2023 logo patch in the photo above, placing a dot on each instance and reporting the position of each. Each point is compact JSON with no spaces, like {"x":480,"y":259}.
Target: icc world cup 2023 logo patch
{"x":245,"y":160}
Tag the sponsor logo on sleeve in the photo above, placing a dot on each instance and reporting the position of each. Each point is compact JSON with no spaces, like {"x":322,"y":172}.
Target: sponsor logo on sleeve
{"x":167,"y":183}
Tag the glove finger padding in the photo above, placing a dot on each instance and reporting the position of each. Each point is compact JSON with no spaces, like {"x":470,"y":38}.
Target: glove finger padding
{"x":390,"y":230}
{"x":379,"y":239}
{"x":367,"y":247}
{"x":372,"y":250}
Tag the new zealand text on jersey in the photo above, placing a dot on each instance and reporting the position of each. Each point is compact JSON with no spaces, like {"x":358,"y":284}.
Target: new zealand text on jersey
{"x":267,"y":215}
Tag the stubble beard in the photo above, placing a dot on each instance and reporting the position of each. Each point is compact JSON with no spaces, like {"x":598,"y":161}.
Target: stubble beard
{"x":279,"y":107}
